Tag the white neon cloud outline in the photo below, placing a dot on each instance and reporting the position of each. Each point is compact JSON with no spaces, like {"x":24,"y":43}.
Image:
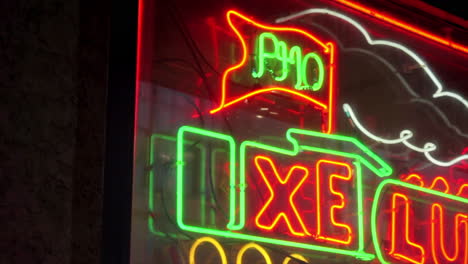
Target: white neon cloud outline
{"x":405,"y":135}
{"x":439,"y":91}
{"x":418,"y":99}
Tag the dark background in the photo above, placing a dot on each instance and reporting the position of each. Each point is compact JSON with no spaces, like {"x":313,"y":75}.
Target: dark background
{"x":53,"y":84}
{"x":53,"y":81}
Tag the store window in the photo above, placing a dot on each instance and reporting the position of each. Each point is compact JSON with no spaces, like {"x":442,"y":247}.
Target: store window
{"x":299,"y":132}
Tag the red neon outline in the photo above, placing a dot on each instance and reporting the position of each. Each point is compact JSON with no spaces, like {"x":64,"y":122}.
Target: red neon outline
{"x":443,"y":180}
{"x":137,"y":74}
{"x":272,"y":196}
{"x":441,"y":234}
{"x":328,"y":48}
{"x":416,"y":176}
{"x":331,"y":107}
{"x":460,"y":190}
{"x":264,"y":90}
{"x":393,"y":231}
{"x":335,"y":206}
{"x":404,"y":26}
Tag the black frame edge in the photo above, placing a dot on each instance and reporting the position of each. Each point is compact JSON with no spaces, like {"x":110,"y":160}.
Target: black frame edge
{"x":118,"y":165}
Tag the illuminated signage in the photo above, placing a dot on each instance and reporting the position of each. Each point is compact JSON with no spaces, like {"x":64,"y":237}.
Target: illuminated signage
{"x":240,"y":254}
{"x":309,"y":74}
{"x":284,"y":217}
{"x":310,"y":191}
{"x":288,"y":57}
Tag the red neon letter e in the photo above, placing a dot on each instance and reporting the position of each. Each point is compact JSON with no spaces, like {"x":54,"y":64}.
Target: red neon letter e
{"x":334,"y":209}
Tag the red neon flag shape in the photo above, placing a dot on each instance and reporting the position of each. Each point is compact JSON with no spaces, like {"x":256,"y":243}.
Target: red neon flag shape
{"x":323,"y":101}
{"x":265,"y":219}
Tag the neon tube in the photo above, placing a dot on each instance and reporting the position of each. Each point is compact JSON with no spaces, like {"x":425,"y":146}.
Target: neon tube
{"x":459,"y":219}
{"x":461,"y":189}
{"x":406,"y":230}
{"x":414,"y":176}
{"x":375,"y":209}
{"x":295,"y":56}
{"x":283,"y":183}
{"x":341,"y":205}
{"x":248,"y":246}
{"x":404,"y":25}
{"x":151,"y":176}
{"x":225,"y":102}
{"x":180,"y":167}
{"x":404,"y":136}
{"x":405,"y":84}
{"x":296,"y":256}
{"x":440,"y":179}
{"x":213,"y":242}
{"x":367,"y":158}
{"x":439,"y":91}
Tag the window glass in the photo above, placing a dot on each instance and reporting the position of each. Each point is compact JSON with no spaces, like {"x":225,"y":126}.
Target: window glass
{"x":288,"y":131}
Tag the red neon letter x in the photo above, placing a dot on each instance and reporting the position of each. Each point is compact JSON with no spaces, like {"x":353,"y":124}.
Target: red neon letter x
{"x":266,"y":168}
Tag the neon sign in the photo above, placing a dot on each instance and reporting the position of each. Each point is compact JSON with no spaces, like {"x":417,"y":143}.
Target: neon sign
{"x":301,"y":173}
{"x":280,"y":53}
{"x":405,"y":135}
{"x":282,"y":218}
{"x":239,"y":260}
{"x":288,"y":58}
{"x":440,"y":92}
{"x":404,"y":25}
{"x":251,"y":164}
{"x":309,"y":191}
{"x":428,"y":247}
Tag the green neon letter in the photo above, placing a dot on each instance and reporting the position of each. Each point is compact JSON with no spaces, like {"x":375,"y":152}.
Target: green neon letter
{"x":286,"y":59}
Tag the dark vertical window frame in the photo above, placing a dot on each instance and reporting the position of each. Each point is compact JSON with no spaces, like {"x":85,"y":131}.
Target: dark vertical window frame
{"x":119,"y":149}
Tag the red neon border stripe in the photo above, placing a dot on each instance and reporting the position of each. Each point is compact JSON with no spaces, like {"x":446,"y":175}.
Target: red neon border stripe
{"x":404,"y":26}
{"x":137,"y":74}
{"x":327,"y":47}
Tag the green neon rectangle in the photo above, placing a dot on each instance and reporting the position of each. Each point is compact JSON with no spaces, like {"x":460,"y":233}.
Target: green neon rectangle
{"x":151,"y":182}
{"x":181,"y":142}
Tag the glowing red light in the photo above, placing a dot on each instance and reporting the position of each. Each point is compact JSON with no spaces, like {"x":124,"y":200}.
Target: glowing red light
{"x":263,"y":219}
{"x":337,"y":206}
{"x":325,"y":107}
{"x":438,"y":241}
{"x":407,"y":241}
{"x":404,"y":25}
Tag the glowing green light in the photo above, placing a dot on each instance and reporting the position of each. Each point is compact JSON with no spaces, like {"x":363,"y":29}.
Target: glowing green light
{"x":293,"y":57}
{"x":377,"y":166}
{"x":180,"y":170}
{"x":367,"y":158}
{"x":377,"y":196}
{"x":383,"y":170}
{"x":151,"y":198}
